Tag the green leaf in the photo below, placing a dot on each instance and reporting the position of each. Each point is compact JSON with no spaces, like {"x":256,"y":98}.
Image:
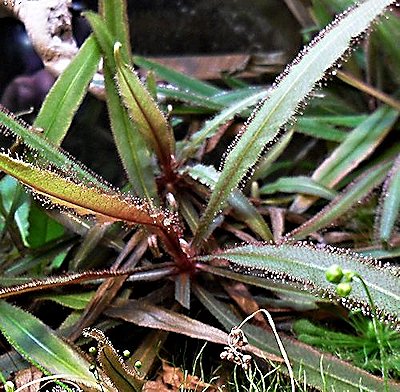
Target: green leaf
{"x":143,"y":110}
{"x":300,"y":184}
{"x":309,"y":365}
{"x":42,"y":228}
{"x":39,"y":345}
{"x":386,"y":38}
{"x":343,"y":202}
{"x":131,"y":147}
{"x":325,"y":127}
{"x":358,"y":145}
{"x":17,"y":205}
{"x":178,"y":79}
{"x":45,"y":258}
{"x":291,"y":89}
{"x":67,"y":93}
{"x":212,"y":126}
{"x":390,"y":205}
{"x":242,"y":206}
{"x":116,"y":18}
{"x":188,"y":97}
{"x":74,"y":301}
{"x":306,"y":265}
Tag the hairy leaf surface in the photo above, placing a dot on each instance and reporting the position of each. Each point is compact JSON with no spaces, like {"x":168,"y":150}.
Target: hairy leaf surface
{"x":306,"y":264}
{"x":39,"y":345}
{"x":67,"y":93}
{"x":69,"y":193}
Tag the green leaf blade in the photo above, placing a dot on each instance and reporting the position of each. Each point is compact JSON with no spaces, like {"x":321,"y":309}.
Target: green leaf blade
{"x":39,"y":345}
{"x":300,"y":184}
{"x":342,"y":203}
{"x":67,"y":93}
{"x":391,"y":203}
{"x":178,"y":79}
{"x":135,"y":157}
{"x":238,"y":201}
{"x":357,"y":146}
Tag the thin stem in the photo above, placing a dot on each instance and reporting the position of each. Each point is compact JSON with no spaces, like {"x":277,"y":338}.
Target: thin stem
{"x":377,"y":330}
{"x":278,"y":341}
{"x":362,"y":86}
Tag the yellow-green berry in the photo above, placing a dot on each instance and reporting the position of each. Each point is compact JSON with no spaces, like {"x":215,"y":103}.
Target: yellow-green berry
{"x":126,"y":353}
{"x":343,"y":289}
{"x":334,"y":274}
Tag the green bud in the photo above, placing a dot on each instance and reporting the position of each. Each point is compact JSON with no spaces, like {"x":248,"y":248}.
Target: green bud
{"x":126,"y":353}
{"x":334,"y":274}
{"x":343,"y":289}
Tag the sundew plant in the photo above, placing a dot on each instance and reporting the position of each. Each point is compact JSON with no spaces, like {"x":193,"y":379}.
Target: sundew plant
{"x":255,"y":229}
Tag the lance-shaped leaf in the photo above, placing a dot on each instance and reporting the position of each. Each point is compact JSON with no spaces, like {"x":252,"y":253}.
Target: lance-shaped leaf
{"x":304,"y":264}
{"x":325,"y":127}
{"x":131,"y":147}
{"x":300,"y":184}
{"x":115,"y":15}
{"x":390,"y":204}
{"x":143,"y":110}
{"x":343,"y":202}
{"x":151,"y":316}
{"x":290,"y":90}
{"x":211,"y":126}
{"x":358,"y":145}
{"x":37,"y":343}
{"x":309,"y":365}
{"x":67,"y":93}
{"x":85,"y":200}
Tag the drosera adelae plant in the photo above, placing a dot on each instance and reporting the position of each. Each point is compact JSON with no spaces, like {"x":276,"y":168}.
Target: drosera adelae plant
{"x":167,"y":200}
